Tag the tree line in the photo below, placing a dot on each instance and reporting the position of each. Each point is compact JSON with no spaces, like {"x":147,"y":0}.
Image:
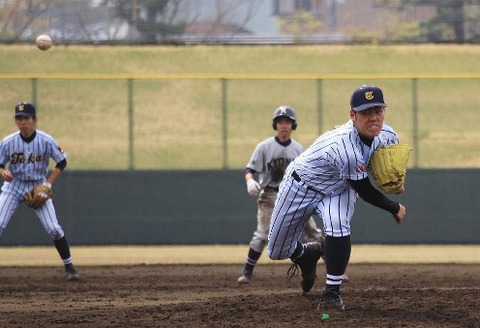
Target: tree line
{"x":164,"y":21}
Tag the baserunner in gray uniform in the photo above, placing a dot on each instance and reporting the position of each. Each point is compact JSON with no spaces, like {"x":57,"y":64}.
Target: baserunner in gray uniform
{"x":269,"y":161}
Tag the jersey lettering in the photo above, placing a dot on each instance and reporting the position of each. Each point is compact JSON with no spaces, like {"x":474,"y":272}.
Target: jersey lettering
{"x":278,"y":163}
{"x":270,"y":159}
{"x":32,"y":158}
{"x":19,"y":158}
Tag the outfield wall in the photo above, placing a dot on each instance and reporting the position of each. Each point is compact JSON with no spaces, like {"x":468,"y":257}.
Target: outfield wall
{"x":213,"y":207}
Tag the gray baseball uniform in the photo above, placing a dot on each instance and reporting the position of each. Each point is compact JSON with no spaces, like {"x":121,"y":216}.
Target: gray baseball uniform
{"x":269,"y":161}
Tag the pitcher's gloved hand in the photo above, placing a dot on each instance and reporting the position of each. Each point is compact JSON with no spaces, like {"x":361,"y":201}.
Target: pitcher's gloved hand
{"x":388,"y":167}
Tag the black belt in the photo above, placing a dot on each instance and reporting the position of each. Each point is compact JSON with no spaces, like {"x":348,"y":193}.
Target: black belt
{"x":268,"y":188}
{"x":297,"y":178}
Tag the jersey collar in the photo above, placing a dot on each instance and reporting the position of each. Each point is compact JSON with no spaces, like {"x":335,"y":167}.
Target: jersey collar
{"x":29,"y":139}
{"x":285,"y":144}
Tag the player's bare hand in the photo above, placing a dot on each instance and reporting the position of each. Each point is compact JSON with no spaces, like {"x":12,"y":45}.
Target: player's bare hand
{"x":400,"y":214}
{"x":7,"y":175}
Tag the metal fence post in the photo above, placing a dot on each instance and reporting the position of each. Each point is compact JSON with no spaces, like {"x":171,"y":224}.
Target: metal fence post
{"x":319,"y":106}
{"x":415,"y":122}
{"x":131,"y":158}
{"x":34,"y":92}
{"x":224,"y":123}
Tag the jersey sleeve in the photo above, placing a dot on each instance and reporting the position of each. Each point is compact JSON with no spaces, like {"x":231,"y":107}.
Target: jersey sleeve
{"x":388,"y":136}
{"x":3,"y":156}
{"x":57,"y":154}
{"x":256,"y":161}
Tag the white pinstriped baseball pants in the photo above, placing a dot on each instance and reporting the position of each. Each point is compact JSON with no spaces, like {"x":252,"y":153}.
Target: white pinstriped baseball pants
{"x":266,"y":202}
{"x":12,"y":196}
{"x":295,"y":204}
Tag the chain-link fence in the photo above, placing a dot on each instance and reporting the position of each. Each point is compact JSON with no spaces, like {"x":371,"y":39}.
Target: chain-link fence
{"x":214,"y":121}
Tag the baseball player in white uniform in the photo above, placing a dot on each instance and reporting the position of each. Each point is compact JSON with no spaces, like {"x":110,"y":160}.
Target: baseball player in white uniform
{"x":269,"y":161}
{"x":27,"y":154}
{"x":327,"y":179}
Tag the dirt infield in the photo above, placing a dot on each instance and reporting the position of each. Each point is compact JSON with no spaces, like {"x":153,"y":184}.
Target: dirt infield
{"x":207,"y":295}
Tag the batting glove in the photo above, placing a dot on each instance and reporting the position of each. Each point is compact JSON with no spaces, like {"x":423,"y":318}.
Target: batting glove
{"x":253,"y":187}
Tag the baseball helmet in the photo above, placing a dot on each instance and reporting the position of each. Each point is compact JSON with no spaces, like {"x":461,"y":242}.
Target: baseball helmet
{"x":284,"y":111}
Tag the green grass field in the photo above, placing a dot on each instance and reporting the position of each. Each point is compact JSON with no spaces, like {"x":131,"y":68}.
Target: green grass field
{"x":83,"y":99}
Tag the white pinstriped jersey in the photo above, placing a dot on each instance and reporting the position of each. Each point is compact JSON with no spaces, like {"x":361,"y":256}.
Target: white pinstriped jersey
{"x":339,"y":155}
{"x":270,"y":159}
{"x":28,"y":161}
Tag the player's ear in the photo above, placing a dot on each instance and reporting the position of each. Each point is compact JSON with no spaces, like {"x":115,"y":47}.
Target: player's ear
{"x":352,"y":114}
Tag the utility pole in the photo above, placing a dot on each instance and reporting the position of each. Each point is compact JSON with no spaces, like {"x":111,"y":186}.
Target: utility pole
{"x":133,"y":27}
{"x":333,"y":16}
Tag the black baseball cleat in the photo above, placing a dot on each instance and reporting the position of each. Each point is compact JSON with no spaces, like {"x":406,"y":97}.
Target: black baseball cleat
{"x":308,"y":265}
{"x":330,"y":299}
{"x":71,"y":272}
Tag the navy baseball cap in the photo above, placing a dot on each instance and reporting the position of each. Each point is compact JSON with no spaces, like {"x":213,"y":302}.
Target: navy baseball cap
{"x":365,"y":97}
{"x":25,"y":109}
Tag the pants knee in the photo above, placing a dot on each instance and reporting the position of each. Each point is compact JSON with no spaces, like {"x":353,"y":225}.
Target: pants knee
{"x":258,"y":244}
{"x":56,"y":234}
{"x":273,"y":255}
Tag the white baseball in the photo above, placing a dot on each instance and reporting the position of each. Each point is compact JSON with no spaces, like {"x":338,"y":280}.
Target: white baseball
{"x":44,"y":42}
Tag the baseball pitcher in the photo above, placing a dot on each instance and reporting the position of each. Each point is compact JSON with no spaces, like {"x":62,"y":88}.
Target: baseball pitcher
{"x":327,"y":179}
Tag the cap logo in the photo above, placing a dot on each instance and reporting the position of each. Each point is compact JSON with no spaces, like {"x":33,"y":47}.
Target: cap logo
{"x":21,"y":107}
{"x":369,"y":95}
{"x":283,"y":111}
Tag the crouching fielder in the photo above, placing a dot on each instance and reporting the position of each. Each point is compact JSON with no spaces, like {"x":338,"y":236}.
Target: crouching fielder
{"x":27,"y":154}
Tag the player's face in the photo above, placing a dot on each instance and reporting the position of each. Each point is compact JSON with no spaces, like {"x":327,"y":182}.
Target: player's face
{"x":284,"y":128}
{"x":368,"y":122}
{"x":26,"y":125}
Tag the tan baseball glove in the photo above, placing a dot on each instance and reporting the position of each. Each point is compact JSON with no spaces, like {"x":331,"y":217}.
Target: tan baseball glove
{"x":388,"y":167}
{"x":39,"y":195}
